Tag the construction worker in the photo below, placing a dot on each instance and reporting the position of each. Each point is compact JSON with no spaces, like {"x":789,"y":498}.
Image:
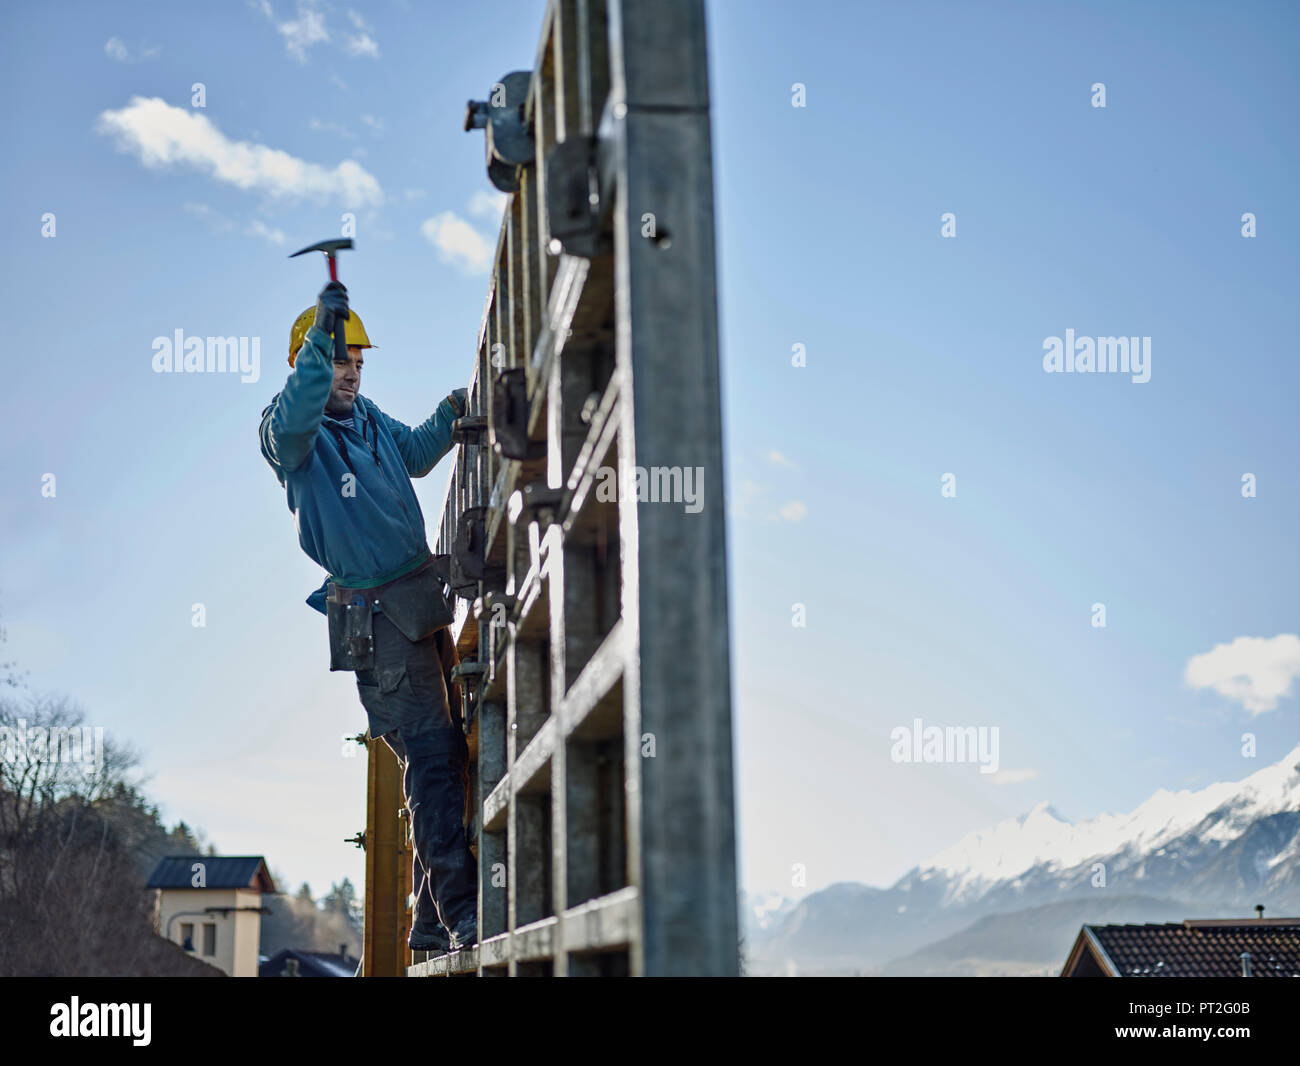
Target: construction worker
{"x":346,"y":468}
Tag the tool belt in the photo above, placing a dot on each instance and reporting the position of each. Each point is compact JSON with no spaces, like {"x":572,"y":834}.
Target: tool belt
{"x":413,"y":603}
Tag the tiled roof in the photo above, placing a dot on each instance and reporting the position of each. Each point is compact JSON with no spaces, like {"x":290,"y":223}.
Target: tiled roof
{"x":1201,"y":949}
{"x":220,"y":871}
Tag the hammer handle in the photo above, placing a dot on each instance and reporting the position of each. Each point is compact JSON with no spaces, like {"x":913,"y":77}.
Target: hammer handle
{"x":340,"y":339}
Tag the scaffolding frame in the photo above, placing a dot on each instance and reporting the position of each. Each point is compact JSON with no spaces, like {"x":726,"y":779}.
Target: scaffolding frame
{"x":592,"y":626}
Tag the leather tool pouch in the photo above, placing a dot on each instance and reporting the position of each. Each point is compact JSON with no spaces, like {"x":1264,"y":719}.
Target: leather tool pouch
{"x":415,"y":603}
{"x":351,"y":628}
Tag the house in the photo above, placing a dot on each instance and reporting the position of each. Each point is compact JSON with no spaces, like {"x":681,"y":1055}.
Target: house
{"x":1221,"y":947}
{"x":211,"y":905}
{"x":291,"y":963}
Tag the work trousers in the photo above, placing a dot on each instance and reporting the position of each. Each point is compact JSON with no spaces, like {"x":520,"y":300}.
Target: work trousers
{"x":405,"y":697}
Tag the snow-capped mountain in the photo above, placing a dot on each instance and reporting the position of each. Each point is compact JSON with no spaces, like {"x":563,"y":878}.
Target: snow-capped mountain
{"x":761,"y":910}
{"x":1042,"y":840}
{"x":1212,"y":852}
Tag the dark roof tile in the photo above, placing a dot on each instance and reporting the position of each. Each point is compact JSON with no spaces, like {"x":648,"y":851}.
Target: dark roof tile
{"x":1202,"y":949}
{"x":222,"y":871}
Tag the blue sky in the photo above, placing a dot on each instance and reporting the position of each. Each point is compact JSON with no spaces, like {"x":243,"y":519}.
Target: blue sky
{"x":924,"y":358}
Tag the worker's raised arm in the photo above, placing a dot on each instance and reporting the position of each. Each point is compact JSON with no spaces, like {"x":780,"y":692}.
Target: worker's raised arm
{"x":290,"y":424}
{"x":423,"y":446}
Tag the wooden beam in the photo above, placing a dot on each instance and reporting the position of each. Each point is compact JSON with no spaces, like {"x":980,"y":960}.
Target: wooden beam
{"x":388,"y":867}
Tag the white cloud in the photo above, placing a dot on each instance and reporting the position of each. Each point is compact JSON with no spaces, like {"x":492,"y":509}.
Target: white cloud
{"x":338,"y":81}
{"x":220,"y":224}
{"x":162,"y":136}
{"x":1253,"y":671}
{"x":458,"y":242}
{"x":115,"y":48}
{"x":1012,"y":777}
{"x":414,"y":194}
{"x":376,"y":124}
{"x":308,"y":29}
{"x":337,"y":128}
{"x":752,"y":500}
{"x":258,"y":228}
{"x":484,"y":204}
{"x":363,"y":45}
{"x":778,"y":459}
{"x":304,"y":31}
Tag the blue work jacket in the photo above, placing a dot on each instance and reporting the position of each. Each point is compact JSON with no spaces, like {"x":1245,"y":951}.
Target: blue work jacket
{"x":349,"y":488}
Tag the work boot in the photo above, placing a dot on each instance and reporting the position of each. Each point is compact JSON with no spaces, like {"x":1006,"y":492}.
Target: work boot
{"x":434,"y":939}
{"x":465,"y":933}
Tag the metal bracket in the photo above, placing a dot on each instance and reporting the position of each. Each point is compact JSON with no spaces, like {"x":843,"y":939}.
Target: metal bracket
{"x":468,"y":673}
{"x":492,"y":612}
{"x":510,"y":417}
{"x":359,"y":840}
{"x":468,"y":669}
{"x":490,"y":601}
{"x":509,"y":141}
{"x":574,"y":207}
{"x":469,"y":429}
{"x":468,"y":562}
{"x":541,"y":502}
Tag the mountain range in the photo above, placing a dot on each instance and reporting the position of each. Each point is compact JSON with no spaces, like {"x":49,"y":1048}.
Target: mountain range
{"x":1009,"y":899}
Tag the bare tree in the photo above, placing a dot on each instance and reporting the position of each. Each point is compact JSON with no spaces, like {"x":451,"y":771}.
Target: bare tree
{"x":72,"y":901}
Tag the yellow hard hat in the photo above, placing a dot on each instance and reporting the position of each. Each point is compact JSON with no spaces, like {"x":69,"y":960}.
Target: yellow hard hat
{"x":354,"y":332}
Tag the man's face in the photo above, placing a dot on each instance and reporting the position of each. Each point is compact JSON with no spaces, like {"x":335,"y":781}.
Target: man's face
{"x":347,"y":383}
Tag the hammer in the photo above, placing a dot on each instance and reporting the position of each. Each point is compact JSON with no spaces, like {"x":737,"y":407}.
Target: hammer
{"x":331,"y":248}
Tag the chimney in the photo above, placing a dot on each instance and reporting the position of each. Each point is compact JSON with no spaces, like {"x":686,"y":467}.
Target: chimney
{"x":1259,"y":911}
{"x":1245,"y":964}
{"x":343,"y":950}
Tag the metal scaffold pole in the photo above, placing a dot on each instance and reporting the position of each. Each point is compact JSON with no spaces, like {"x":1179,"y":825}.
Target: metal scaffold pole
{"x":584,"y":529}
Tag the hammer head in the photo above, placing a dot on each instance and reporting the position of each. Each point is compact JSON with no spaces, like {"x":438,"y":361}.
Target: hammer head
{"x":328,"y":247}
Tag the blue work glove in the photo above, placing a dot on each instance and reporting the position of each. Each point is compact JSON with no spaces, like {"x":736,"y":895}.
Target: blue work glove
{"x":459,"y":401}
{"x":331,"y":306}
